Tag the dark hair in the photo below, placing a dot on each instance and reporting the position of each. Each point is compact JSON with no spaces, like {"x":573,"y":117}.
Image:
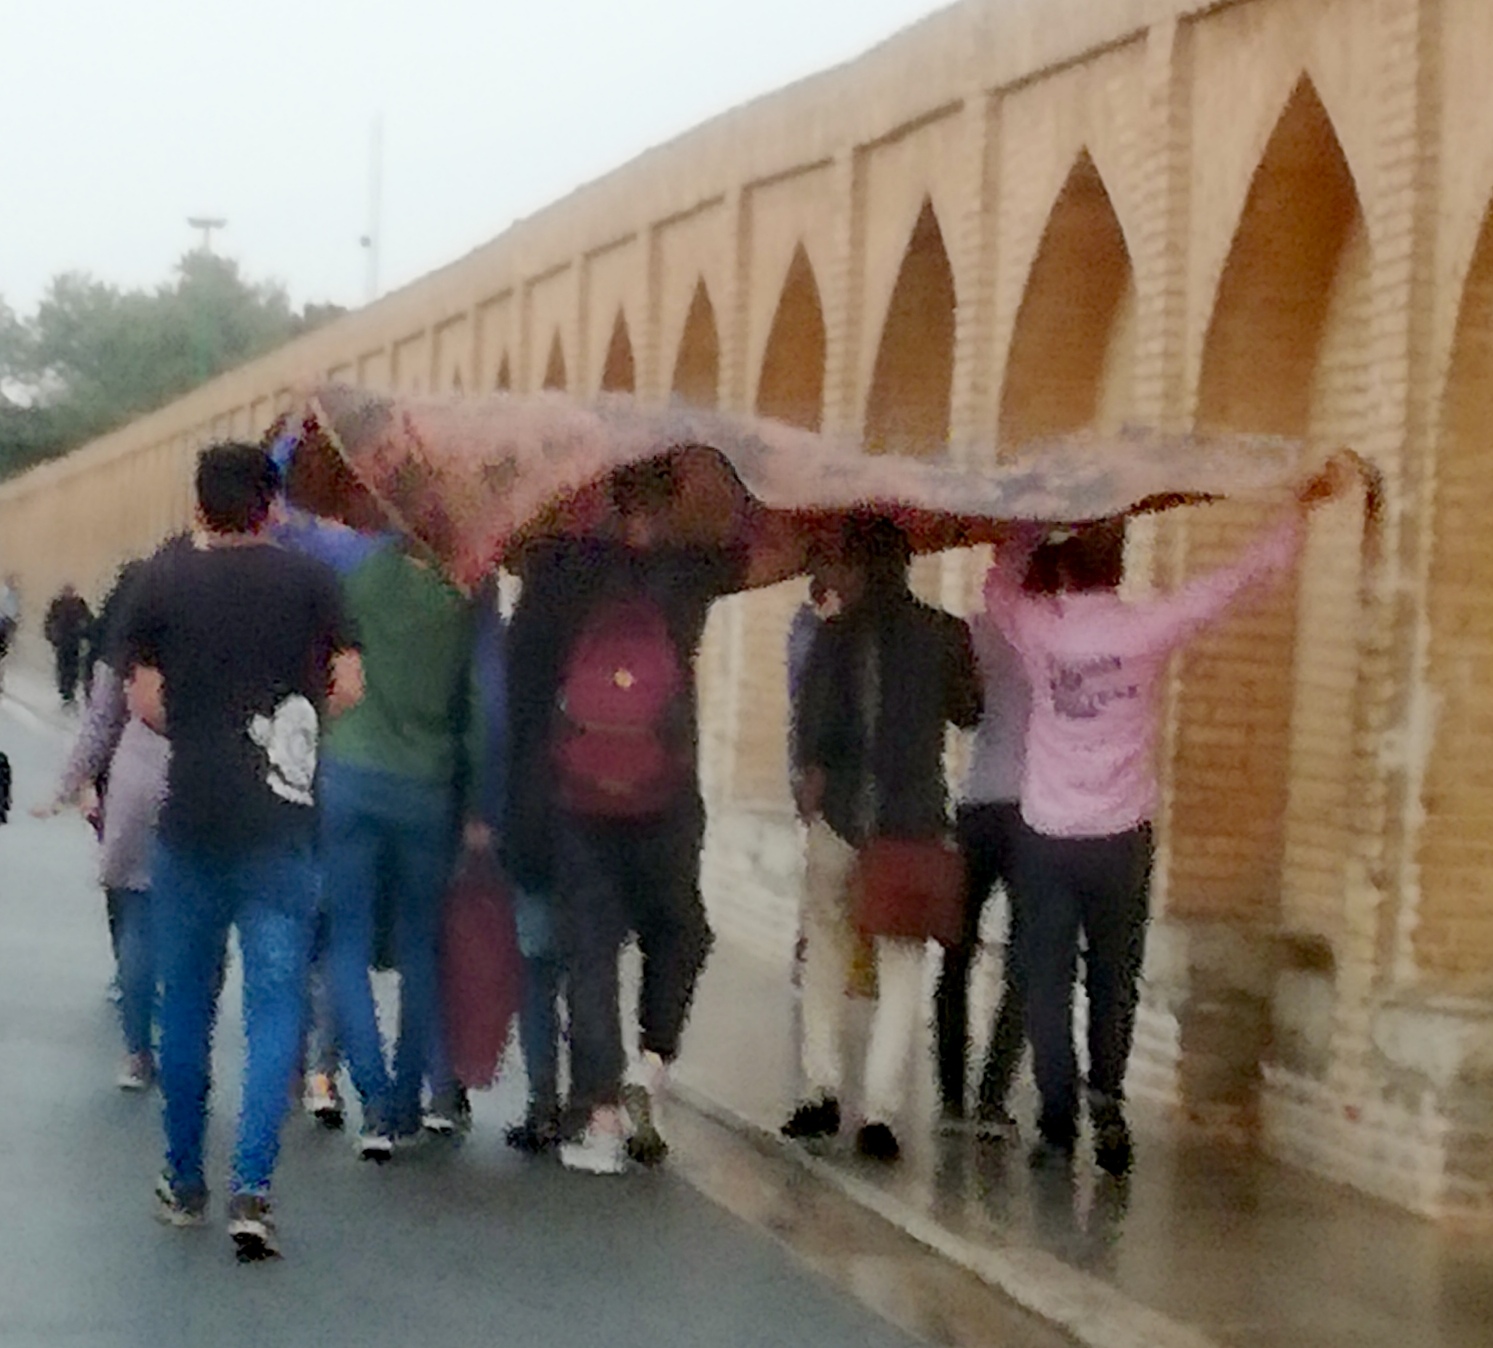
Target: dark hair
{"x":879,"y":545}
{"x":236,"y":485}
{"x":649,"y":485}
{"x":1091,"y":557}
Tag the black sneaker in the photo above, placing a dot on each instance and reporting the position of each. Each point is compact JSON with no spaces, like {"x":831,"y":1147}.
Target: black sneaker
{"x":251,"y":1225}
{"x":813,"y":1119}
{"x":180,"y":1205}
{"x":878,"y":1142}
{"x":375,"y":1144}
{"x":1113,"y":1151}
{"x":645,"y":1144}
{"x":1056,"y":1138}
{"x":449,"y":1113}
{"x":537,"y":1134}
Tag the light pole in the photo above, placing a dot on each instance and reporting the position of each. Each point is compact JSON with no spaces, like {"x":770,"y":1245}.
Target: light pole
{"x":372,"y":239}
{"x":206,"y":224}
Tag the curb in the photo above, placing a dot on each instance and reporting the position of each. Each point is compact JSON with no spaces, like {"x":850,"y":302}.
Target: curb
{"x":1084,"y":1307}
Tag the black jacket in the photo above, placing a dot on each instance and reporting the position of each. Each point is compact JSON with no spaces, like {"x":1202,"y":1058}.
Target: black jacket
{"x":562,"y":584}
{"x":893,"y":787}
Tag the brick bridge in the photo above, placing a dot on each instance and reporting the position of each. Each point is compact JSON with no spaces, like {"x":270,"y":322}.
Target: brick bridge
{"x":1020,"y":217}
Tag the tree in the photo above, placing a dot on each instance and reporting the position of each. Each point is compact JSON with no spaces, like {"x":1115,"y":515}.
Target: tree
{"x":93,"y":357}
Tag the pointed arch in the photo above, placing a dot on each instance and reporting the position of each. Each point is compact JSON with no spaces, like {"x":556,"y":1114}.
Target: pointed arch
{"x":697,"y":368}
{"x":619,"y":374}
{"x":908,"y":408}
{"x":791,"y":387}
{"x":554,"y":367}
{"x":1456,"y":843}
{"x":1068,"y":363}
{"x":1296,"y":275}
{"x":504,"y":382}
{"x":1260,"y":353}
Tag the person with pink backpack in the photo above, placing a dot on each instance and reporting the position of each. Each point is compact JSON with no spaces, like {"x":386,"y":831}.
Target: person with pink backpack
{"x":605,"y":811}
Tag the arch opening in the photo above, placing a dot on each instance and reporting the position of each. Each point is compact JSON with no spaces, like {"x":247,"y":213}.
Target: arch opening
{"x":554,"y":367}
{"x":912,"y":383}
{"x":619,"y":373}
{"x":1258,"y":771}
{"x":791,"y":386}
{"x":697,"y":368}
{"x":1453,"y":936}
{"x":1070,"y":364}
{"x":790,"y":389}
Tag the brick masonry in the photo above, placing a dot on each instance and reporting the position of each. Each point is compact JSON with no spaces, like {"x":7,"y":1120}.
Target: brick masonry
{"x":1017,"y":217}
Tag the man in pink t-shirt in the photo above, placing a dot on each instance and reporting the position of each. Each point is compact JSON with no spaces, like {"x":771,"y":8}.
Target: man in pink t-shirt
{"x":1082,"y":858}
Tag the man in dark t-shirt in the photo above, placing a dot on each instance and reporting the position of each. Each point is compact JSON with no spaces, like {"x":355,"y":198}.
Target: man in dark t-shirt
{"x":237,"y":649}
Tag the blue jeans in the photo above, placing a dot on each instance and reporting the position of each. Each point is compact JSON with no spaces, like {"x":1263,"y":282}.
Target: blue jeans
{"x":377,"y":823}
{"x":270,"y":895}
{"x":134,"y":953}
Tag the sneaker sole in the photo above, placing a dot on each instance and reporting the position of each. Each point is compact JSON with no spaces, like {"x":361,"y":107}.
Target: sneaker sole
{"x":585,"y":1163}
{"x":169,"y":1213}
{"x":376,"y":1153}
{"x":330,"y":1119}
{"x":252,"y":1242}
{"x":179,"y":1220}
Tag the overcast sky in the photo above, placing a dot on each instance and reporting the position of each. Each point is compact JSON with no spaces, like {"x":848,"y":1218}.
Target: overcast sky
{"x":120,"y":120}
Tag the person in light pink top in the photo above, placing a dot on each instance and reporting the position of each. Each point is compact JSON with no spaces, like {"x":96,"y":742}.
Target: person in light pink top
{"x":1082,"y":858}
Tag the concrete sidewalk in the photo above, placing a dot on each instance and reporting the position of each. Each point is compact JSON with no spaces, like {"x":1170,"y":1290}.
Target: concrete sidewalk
{"x":1206,"y":1244}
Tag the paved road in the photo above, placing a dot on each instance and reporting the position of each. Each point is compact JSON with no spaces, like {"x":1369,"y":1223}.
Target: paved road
{"x":448,"y":1246}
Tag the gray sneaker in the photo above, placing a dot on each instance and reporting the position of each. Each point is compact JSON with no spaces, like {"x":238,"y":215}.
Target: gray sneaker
{"x":251,"y":1225}
{"x":645,"y":1144}
{"x":180,"y":1205}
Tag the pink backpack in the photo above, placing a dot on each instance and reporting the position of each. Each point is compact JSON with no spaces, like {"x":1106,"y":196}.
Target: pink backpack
{"x":617,"y":753}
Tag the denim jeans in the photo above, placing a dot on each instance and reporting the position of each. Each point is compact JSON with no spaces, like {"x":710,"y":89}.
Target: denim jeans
{"x":269,"y":895}
{"x":320,"y":1053}
{"x":134,"y":953}
{"x":377,"y":823}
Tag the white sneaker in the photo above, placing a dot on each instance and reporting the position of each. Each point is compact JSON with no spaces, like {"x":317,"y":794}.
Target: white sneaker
{"x":600,"y":1150}
{"x":137,"y":1072}
{"x":373,"y":1145}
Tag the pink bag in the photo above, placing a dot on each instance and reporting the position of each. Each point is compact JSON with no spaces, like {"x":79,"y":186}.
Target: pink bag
{"x":482,"y":970}
{"x":616,"y":755}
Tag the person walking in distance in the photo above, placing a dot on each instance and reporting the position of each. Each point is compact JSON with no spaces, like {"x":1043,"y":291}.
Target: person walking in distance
{"x":124,"y":763}
{"x":66,"y":629}
{"x":986,"y":824}
{"x":884,"y":679}
{"x":1081,"y":863}
{"x":236,"y":649}
{"x":10,"y":619}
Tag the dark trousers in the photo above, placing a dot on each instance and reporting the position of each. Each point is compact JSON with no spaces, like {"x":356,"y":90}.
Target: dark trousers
{"x":618,"y":879}
{"x":987,"y":837}
{"x":69,"y":669}
{"x":1098,"y":888}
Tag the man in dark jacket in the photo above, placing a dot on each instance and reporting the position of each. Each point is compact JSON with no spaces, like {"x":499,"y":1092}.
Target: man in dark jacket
{"x":67,"y":624}
{"x":632,"y":870}
{"x":884,"y":678}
